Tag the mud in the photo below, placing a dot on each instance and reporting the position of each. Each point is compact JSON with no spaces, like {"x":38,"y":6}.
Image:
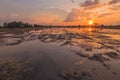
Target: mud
{"x":60,"y":54}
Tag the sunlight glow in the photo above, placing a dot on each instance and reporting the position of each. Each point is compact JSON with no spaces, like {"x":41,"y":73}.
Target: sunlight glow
{"x":90,"y":22}
{"x":89,"y":29}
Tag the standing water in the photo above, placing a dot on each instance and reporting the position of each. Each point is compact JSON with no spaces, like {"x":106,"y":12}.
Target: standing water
{"x":60,"y":54}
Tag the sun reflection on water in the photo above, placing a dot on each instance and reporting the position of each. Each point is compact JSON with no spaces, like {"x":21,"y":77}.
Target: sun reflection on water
{"x":89,"y":29}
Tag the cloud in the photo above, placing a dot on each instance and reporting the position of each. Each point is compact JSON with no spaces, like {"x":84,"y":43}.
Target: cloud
{"x":115,"y":8}
{"x":88,"y":3}
{"x":50,"y":16}
{"x":94,"y":7}
{"x":43,"y":16}
{"x":77,"y":15}
{"x":114,"y":1}
{"x":72,"y":1}
{"x":71,"y":16}
{"x":97,"y":12}
{"x":14,"y":15}
{"x":104,"y":15}
{"x":91,"y":4}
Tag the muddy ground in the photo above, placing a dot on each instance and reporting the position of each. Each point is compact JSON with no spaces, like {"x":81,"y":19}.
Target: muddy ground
{"x":60,"y":54}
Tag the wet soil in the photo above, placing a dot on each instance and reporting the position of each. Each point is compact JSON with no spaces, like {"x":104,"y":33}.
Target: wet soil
{"x":60,"y":54}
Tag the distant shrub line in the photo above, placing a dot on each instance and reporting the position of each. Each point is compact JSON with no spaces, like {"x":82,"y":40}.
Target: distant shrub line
{"x":19,"y":24}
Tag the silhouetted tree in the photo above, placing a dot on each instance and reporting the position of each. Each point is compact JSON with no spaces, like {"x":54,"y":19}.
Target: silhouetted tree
{"x":16,"y":24}
{"x":36,"y":25}
{"x":1,"y":26}
{"x":5,"y":24}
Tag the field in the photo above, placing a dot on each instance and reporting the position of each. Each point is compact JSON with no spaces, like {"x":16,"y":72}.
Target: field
{"x":59,"y":54}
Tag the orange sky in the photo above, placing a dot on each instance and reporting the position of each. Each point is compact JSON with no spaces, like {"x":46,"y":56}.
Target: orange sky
{"x":61,"y":12}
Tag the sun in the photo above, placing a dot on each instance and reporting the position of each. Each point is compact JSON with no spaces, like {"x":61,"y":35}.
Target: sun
{"x":90,"y":22}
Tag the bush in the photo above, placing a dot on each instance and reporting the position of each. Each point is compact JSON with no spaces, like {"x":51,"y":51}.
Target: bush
{"x":16,"y":24}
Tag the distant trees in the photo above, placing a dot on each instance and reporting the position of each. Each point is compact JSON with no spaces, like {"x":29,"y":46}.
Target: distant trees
{"x":36,"y":25}
{"x":1,"y":26}
{"x":19,"y":24}
{"x":16,"y":24}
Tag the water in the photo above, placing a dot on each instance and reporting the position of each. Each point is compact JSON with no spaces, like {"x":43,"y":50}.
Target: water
{"x":60,"y":54}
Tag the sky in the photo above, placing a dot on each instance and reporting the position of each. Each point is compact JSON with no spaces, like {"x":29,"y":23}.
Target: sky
{"x":60,"y":12}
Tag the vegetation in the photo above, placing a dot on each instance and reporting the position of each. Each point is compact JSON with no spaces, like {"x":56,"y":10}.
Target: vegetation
{"x":1,"y":26}
{"x":112,"y":27}
{"x":20,"y":24}
{"x":16,"y":24}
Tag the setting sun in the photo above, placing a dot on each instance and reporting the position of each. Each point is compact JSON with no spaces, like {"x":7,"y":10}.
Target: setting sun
{"x":90,"y":22}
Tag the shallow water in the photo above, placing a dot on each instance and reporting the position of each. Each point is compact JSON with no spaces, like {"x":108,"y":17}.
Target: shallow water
{"x":60,"y":54}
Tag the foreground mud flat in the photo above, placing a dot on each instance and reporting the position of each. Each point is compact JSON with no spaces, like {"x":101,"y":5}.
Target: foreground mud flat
{"x":60,"y":54}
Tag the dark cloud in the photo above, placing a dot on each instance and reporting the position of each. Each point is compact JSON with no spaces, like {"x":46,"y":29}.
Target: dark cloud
{"x":114,"y":1}
{"x":73,"y":1}
{"x":88,"y":3}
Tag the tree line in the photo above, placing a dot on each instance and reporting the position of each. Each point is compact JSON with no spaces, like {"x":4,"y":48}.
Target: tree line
{"x":19,"y":24}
